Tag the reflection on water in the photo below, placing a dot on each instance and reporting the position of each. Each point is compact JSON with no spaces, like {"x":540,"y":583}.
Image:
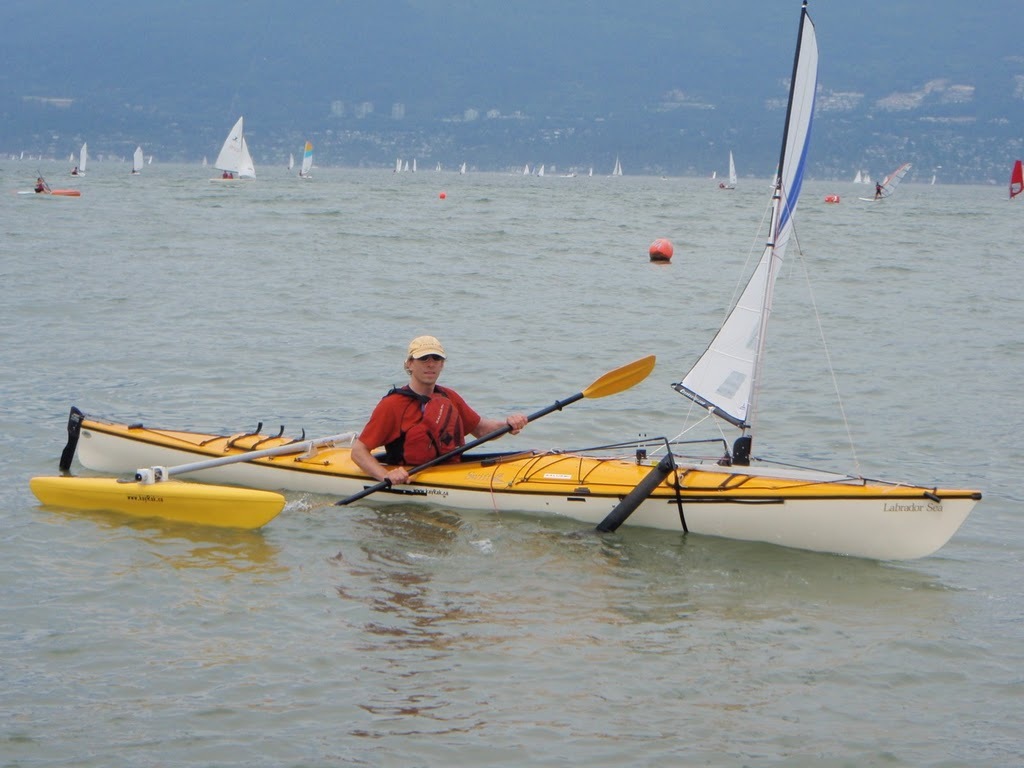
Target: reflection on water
{"x":180,"y":545}
{"x":440,"y":645}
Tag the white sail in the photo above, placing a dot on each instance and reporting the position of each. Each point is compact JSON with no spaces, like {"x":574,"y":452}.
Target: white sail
{"x":234,"y":156}
{"x":307,"y":160}
{"x":137,"y":161}
{"x":617,"y":170}
{"x":858,"y":179}
{"x":83,"y":157}
{"x":291,"y":161}
{"x":732,"y":171}
{"x":727,"y":376}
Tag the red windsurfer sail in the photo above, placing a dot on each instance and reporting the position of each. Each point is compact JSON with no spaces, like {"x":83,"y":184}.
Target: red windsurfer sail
{"x":1016,"y":179}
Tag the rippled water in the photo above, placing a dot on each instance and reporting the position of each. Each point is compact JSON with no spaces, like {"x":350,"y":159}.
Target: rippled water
{"x":416,"y":636}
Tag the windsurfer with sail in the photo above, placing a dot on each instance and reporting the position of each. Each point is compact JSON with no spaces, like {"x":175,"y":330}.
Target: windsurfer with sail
{"x":421,"y":421}
{"x":878,"y":190}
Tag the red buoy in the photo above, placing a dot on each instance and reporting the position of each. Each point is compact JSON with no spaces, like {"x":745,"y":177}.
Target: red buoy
{"x":443,"y":195}
{"x":831,"y":198}
{"x":661,"y":250}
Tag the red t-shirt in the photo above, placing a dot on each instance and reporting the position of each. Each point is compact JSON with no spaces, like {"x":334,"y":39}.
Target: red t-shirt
{"x":397,"y":414}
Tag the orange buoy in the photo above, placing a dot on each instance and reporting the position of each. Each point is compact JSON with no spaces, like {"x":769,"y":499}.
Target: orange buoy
{"x":661,"y":250}
{"x":443,"y":195}
{"x":831,"y":198}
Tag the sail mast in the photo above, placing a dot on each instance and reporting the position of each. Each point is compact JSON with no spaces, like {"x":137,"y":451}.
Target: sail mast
{"x":787,"y":192}
{"x":726,"y":377}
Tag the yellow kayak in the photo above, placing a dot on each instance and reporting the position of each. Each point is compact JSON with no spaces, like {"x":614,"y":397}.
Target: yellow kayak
{"x":805,"y":509}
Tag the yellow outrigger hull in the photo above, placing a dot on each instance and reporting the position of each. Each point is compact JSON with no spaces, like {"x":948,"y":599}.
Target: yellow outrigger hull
{"x":193,"y":503}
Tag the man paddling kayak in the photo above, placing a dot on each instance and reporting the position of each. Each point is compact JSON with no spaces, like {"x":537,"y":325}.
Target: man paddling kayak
{"x":421,"y":421}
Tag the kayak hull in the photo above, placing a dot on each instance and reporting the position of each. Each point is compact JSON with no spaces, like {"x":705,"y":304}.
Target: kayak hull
{"x":805,"y":509}
{"x":52,"y":193}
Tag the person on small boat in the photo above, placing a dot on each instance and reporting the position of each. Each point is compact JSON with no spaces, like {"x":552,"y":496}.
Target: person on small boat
{"x":421,"y":421}
{"x":74,"y":171}
{"x":40,"y":185}
{"x":878,"y":190}
{"x":227,"y":175}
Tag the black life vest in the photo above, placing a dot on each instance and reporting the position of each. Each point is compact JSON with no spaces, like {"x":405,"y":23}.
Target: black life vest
{"x":438,"y":430}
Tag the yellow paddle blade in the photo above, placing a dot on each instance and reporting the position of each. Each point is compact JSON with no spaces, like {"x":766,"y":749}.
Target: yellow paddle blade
{"x":196,"y":503}
{"x":622,"y":378}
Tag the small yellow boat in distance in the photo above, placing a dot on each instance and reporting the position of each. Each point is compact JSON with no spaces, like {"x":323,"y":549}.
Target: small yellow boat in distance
{"x":193,"y":503}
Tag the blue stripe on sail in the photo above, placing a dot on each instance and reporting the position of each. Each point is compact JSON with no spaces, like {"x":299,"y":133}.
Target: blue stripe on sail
{"x":793,"y":193}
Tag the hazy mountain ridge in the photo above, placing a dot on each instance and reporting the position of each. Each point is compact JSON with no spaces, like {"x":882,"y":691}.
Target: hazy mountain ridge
{"x":670,"y":87}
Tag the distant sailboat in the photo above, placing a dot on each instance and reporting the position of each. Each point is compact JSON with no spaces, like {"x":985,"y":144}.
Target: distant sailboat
{"x":858,"y":179}
{"x":540,"y":170}
{"x":83,"y":158}
{"x":526,"y":170}
{"x":617,"y":170}
{"x":398,"y":165}
{"x":234,"y":158}
{"x":137,"y":162}
{"x":1016,"y":179}
{"x":307,"y":161}
{"x":888,"y":185}
{"x":291,"y":161}
{"x":462,"y":168}
{"x":732,"y":175}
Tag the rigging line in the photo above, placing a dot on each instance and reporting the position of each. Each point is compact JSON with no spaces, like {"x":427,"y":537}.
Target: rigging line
{"x":825,"y":347}
{"x":708,"y":415}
